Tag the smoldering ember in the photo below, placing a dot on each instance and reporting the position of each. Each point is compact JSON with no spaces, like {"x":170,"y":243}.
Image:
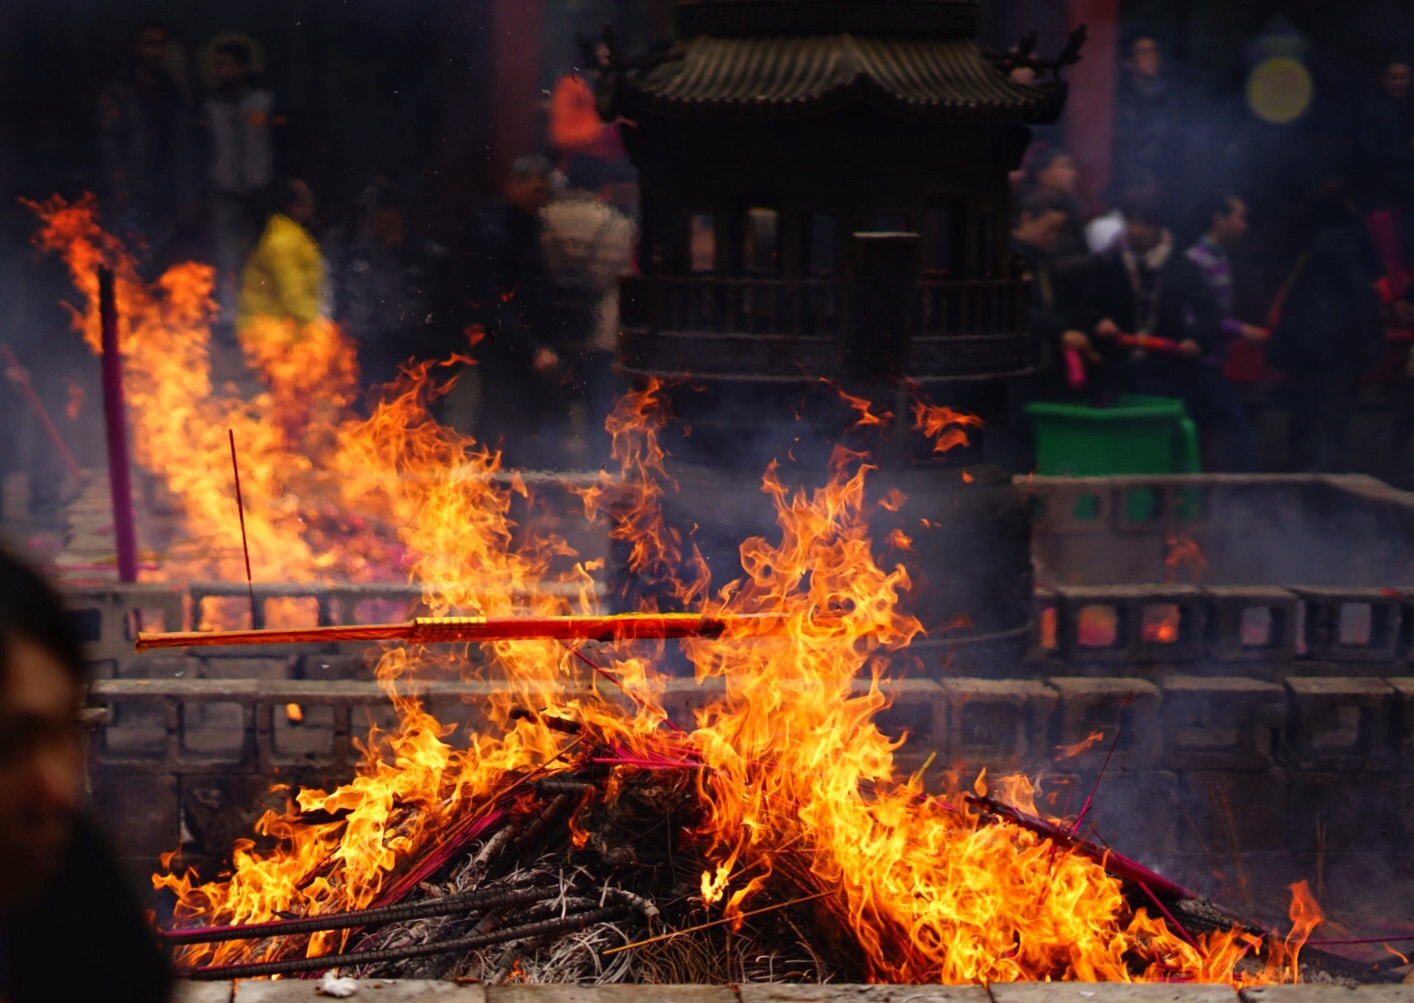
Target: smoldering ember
{"x":797,"y":687}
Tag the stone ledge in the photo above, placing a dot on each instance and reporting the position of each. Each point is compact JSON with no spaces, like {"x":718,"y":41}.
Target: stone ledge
{"x":386,"y":991}
{"x":369,"y":991}
{"x":1109,"y":992}
{"x":760,"y":993}
{"x":1328,"y":994}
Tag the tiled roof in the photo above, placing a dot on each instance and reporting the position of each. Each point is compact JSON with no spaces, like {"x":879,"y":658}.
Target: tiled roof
{"x":928,"y":79}
{"x":914,"y":18}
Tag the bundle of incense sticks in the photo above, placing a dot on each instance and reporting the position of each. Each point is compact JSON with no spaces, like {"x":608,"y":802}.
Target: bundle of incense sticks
{"x":464,"y":629}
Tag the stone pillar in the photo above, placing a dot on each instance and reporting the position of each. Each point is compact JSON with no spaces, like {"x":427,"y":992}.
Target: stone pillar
{"x":516,"y":28}
{"x":1090,"y":106}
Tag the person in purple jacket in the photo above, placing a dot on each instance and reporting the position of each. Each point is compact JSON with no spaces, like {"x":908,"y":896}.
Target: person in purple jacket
{"x":1225,"y":216}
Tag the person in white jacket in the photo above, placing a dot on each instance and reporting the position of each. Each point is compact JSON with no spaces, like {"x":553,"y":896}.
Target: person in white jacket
{"x":588,"y":245}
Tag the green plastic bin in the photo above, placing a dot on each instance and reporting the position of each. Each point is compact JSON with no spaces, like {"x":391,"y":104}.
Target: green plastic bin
{"x":1135,"y":435}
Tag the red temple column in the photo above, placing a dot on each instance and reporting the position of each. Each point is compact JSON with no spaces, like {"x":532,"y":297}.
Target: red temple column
{"x":516,"y":57}
{"x":1090,"y":108}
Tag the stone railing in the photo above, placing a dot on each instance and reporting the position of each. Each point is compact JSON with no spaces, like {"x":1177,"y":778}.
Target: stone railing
{"x":812,"y":307}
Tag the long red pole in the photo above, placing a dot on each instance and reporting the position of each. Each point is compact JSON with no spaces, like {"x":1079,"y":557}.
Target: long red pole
{"x":115,"y":417}
{"x":480,"y":629}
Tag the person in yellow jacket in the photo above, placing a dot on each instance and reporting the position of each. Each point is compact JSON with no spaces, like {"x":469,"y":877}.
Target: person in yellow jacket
{"x":284,"y":275}
{"x":282,"y":322}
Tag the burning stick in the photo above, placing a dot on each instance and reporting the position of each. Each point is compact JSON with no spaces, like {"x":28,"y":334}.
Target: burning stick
{"x":463,"y":902}
{"x":464,"y":629}
{"x":1116,"y":864}
{"x":19,"y":376}
{"x":240,"y":510}
{"x":539,"y":928}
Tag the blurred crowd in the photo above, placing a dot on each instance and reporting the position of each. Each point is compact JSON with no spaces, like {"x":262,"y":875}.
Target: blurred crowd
{"x":199,"y":163}
{"x":1142,"y":297}
{"x":1136,"y":289}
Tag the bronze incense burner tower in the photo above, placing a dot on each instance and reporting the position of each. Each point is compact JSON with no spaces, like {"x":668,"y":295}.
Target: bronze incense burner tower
{"x":825,"y":207}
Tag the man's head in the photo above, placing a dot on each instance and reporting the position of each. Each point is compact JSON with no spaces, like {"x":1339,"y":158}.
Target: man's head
{"x":290,"y":197}
{"x":1040,"y":221}
{"x":1145,"y":59}
{"x":1052,"y":167}
{"x":1142,"y":208}
{"x":1226,"y":216}
{"x":1396,"y":77}
{"x":150,"y":43}
{"x":298,"y":201}
{"x":41,"y":752}
{"x":527,"y":184}
{"x":231,"y":62}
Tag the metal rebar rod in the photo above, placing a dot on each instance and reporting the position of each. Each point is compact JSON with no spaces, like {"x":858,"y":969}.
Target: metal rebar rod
{"x":540,"y":928}
{"x":479,"y":898}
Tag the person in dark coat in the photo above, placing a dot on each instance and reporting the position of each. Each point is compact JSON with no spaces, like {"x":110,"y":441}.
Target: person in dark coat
{"x":62,"y":893}
{"x":514,"y":323}
{"x":1329,"y":332}
{"x":1151,"y":135}
{"x":1384,"y":139}
{"x":1041,"y":221}
{"x":146,"y":140}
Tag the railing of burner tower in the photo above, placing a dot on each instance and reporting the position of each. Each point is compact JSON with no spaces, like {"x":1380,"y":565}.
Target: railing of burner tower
{"x":812,"y":307}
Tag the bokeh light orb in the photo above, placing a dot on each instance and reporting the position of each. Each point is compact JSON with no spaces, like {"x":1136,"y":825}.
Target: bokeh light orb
{"x":1279,"y":90}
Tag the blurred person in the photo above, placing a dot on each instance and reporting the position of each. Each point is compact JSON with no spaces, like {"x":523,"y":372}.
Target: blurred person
{"x":1329,"y":330}
{"x":576,"y":131}
{"x":61,"y":889}
{"x":1151,"y":120}
{"x":1039,"y":228}
{"x":1051,"y":171}
{"x":284,"y":277}
{"x":282,"y":318}
{"x":1225,"y":217}
{"x":1103,"y":231}
{"x":382,"y":297}
{"x":1040,"y":223}
{"x":146,"y":146}
{"x":239,"y":122}
{"x":1155,"y":320}
{"x":1385,"y":148}
{"x":1119,"y":301}
{"x":588,"y":245}
{"x":1399,"y":321}
{"x":513,"y":326}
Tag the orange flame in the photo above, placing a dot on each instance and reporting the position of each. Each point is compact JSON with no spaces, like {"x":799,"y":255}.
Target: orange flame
{"x":945,"y":426}
{"x":1183,"y":551}
{"x":1084,"y":745}
{"x":796,"y":780}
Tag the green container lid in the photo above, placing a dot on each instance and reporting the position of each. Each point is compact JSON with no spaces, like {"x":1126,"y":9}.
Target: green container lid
{"x":1136,"y":435}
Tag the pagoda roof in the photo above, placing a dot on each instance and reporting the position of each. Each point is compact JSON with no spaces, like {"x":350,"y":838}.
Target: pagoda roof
{"x":927,"y":79}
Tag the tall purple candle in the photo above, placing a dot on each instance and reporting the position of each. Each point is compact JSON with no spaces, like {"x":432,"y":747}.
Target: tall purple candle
{"x":114,"y":416}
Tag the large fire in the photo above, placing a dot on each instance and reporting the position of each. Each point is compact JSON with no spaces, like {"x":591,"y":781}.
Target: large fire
{"x":792,"y":776}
